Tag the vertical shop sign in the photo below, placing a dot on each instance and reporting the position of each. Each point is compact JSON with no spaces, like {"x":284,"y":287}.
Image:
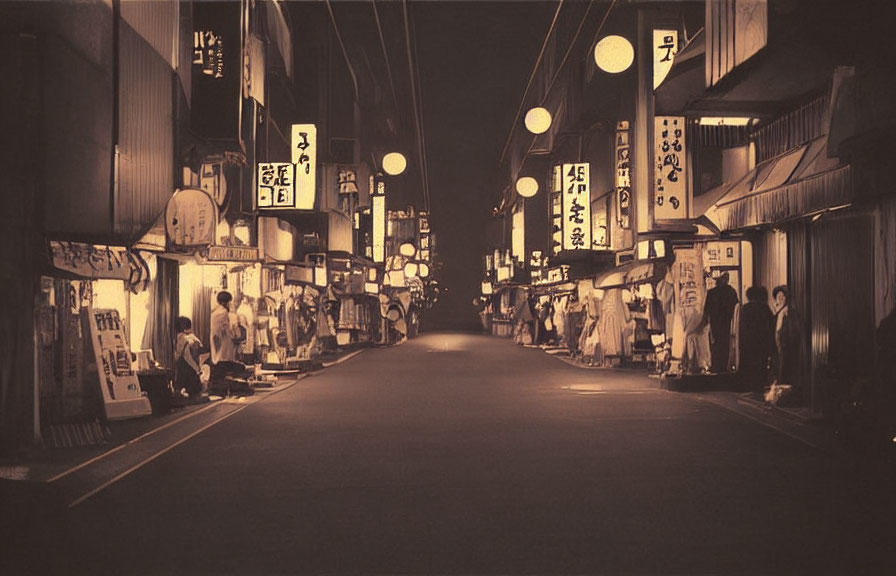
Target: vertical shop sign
{"x":304,"y":156}
{"x":576,"y":207}
{"x":217,"y":72}
{"x":122,"y":397}
{"x":665,"y":47}
{"x":276,"y":185}
{"x":556,"y":209}
{"x":623,"y":175}
{"x":670,"y":192}
{"x":599,"y":236}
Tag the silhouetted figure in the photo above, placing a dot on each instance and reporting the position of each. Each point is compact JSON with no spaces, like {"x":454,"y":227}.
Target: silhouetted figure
{"x":756,"y":338}
{"x":718,"y":311}
{"x":785,"y":337}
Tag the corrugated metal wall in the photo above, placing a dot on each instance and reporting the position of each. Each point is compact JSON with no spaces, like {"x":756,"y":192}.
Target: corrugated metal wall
{"x":842,"y":276}
{"x":800,"y":287}
{"x":157,"y":22}
{"x":770,"y":260}
{"x":885,"y":267}
{"x":146,"y":133}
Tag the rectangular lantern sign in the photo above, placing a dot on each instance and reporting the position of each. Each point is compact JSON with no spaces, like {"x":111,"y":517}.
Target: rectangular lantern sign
{"x":623,"y":174}
{"x":556,"y":208}
{"x":276,"y":185}
{"x":304,"y":156}
{"x":576,"y":207}
{"x":670,"y":176}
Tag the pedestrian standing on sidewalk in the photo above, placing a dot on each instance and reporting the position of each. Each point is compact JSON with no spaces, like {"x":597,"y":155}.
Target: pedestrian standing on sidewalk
{"x":785,"y":336}
{"x":224,"y":334}
{"x":756,"y":339}
{"x":186,"y":358}
{"x":718,"y":312}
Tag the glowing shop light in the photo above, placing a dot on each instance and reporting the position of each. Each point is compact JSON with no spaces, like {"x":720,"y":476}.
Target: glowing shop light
{"x":394,"y":163}
{"x":407,"y":249}
{"x":527,"y":186}
{"x":538,"y":120}
{"x":614,"y":54}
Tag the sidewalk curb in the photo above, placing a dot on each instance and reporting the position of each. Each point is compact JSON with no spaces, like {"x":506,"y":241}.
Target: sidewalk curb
{"x":342,"y":359}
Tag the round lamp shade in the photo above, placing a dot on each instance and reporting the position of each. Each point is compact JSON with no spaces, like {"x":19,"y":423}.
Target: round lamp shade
{"x":614,"y":54}
{"x":527,"y":186}
{"x":410,"y":269}
{"x":538,"y":120}
{"x":423,"y":270}
{"x":407,"y":249}
{"x":394,"y":163}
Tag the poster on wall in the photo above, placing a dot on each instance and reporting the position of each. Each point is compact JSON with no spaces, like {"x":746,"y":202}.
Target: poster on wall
{"x":670,"y":174}
{"x":576,"y":206}
{"x":122,"y":397}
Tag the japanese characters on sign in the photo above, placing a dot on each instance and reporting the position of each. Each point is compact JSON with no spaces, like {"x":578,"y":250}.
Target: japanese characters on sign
{"x":304,"y":156}
{"x":276,"y":185}
{"x":120,"y":388}
{"x":190,"y":218}
{"x":670,"y":176}
{"x":208,"y":53}
{"x":665,"y":47}
{"x":623,"y":174}
{"x":91,"y":261}
{"x":556,"y":208}
{"x":576,"y":206}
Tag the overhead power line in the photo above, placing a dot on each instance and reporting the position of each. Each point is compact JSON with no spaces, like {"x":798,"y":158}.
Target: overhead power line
{"x":418,"y":121}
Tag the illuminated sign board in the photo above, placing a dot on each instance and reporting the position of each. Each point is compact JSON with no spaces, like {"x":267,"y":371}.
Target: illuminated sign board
{"x":576,"y":206}
{"x":190,"y":218}
{"x":275,"y":185}
{"x":670,"y":174}
{"x":304,"y":156}
{"x":623,"y":175}
{"x":379,"y":228}
{"x":665,"y":47}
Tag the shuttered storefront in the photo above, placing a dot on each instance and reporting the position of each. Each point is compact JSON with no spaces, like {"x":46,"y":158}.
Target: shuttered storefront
{"x":842,"y":302}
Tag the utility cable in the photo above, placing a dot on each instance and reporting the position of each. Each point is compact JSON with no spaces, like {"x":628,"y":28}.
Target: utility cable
{"x":419,"y":87}
{"x":379,"y":29}
{"x":544,"y":46}
{"x":420,"y":155}
{"x":348,"y":62}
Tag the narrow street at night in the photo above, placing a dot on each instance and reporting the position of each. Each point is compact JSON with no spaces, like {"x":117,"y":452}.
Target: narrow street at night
{"x":467,"y":454}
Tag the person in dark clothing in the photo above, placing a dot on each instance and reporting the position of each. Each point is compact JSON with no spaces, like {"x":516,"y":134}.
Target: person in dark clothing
{"x":718,"y":311}
{"x":785,"y":337}
{"x":756,"y":339}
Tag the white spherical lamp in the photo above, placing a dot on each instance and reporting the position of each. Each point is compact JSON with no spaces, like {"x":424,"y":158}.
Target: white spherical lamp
{"x":527,"y":186}
{"x":538,"y":120}
{"x":614,"y":54}
{"x":394,"y":163}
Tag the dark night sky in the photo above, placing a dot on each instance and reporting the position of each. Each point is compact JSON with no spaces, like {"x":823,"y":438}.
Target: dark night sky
{"x":475,"y":59}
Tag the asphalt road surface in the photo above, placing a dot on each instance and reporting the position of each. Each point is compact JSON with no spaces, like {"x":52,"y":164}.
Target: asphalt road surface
{"x":464,"y":454}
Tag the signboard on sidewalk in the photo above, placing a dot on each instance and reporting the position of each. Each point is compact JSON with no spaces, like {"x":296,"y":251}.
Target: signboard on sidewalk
{"x":122,"y":397}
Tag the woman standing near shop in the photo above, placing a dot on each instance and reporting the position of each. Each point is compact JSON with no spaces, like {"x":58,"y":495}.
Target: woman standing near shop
{"x":785,"y":336}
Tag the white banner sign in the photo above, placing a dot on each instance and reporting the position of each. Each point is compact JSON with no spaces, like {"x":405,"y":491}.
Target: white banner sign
{"x":665,"y":47}
{"x":576,"y":207}
{"x":304,"y":156}
{"x":670,"y":195}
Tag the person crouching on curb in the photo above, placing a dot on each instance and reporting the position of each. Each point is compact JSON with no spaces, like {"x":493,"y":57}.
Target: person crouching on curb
{"x":187,"y":349}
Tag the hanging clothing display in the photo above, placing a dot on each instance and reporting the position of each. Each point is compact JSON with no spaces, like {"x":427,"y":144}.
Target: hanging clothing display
{"x":611,"y":325}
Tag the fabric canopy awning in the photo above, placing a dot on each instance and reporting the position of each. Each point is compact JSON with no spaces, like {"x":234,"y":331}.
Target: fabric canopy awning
{"x":636,"y":272}
{"x":799,"y":182}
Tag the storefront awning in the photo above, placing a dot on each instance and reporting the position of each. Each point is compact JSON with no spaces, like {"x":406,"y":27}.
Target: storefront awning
{"x":797,"y":183}
{"x":636,"y":272}
{"x":781,"y":72}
